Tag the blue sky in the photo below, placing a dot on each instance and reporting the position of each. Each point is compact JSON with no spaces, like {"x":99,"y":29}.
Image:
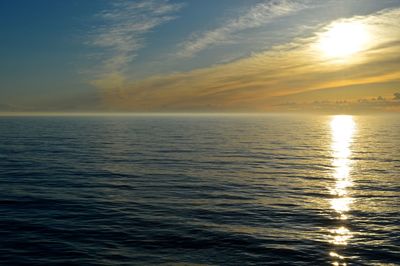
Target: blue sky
{"x":154,"y":55}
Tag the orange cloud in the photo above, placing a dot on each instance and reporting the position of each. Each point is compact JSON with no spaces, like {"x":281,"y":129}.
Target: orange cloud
{"x":253,"y":83}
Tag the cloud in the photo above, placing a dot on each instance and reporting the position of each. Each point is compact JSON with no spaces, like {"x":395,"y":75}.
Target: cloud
{"x":377,"y":104}
{"x":254,"y":83}
{"x":8,"y":107}
{"x":122,"y":34}
{"x":257,"y":16}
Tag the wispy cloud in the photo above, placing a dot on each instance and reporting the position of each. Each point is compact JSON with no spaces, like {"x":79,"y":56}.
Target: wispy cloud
{"x":122,"y":34}
{"x":254,"y":83}
{"x":257,"y":16}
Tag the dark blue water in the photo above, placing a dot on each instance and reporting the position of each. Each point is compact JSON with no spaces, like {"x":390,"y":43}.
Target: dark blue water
{"x":200,"y":190}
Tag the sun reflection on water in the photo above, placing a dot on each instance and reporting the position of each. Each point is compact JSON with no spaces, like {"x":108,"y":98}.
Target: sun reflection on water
{"x":342,"y":129}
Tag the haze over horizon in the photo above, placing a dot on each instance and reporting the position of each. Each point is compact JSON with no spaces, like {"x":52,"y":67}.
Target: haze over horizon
{"x":200,"y":56}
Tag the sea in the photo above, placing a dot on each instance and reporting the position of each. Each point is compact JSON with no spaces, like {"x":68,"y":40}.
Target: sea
{"x":201,"y":189}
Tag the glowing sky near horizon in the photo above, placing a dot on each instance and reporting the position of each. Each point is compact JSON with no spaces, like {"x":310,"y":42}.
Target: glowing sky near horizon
{"x":187,"y":55}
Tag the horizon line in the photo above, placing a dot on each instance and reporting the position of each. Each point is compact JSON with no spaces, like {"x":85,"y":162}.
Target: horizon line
{"x":99,"y":114}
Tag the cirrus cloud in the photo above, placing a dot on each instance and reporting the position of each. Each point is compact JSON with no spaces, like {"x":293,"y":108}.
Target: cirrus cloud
{"x":257,"y":16}
{"x":256,"y":82}
{"x":122,"y":34}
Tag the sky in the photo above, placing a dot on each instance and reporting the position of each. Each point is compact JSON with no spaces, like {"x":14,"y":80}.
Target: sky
{"x":199,"y":56}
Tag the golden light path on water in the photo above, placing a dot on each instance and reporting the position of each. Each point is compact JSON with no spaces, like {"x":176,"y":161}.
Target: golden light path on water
{"x":342,"y":130}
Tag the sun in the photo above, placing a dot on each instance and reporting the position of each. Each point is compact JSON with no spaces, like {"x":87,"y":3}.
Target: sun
{"x":341,"y":40}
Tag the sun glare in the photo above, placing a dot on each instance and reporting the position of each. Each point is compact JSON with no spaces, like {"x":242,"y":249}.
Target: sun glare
{"x":344,"y":39}
{"x":342,"y":129}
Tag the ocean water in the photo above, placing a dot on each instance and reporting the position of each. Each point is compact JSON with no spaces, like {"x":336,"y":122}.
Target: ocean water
{"x":200,"y":190}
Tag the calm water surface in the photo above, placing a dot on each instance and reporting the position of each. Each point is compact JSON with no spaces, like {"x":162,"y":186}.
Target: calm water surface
{"x":200,"y":190}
